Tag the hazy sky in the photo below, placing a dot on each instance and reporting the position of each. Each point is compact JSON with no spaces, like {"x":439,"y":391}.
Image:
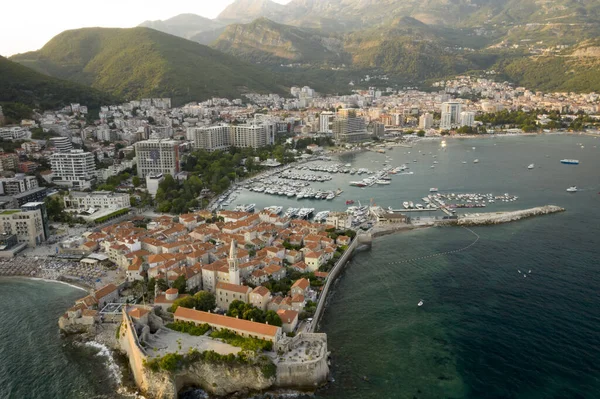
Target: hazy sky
{"x":26,"y":25}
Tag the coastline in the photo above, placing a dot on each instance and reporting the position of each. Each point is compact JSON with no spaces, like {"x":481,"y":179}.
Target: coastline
{"x":48,"y":280}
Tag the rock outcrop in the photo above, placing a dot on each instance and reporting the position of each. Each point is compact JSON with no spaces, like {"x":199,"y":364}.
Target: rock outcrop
{"x":216,"y":379}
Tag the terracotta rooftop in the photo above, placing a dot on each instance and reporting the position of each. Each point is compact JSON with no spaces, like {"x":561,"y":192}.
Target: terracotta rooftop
{"x":225,"y":321}
{"x":287,"y":316}
{"x":104,"y":291}
{"x":260,"y":290}
{"x":138,"y":312}
{"x":242,"y":289}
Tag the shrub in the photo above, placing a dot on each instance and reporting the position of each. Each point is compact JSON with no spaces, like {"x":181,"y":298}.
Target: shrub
{"x":189,"y":328}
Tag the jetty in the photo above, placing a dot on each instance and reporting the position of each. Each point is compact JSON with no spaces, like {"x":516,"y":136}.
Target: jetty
{"x":491,"y":218}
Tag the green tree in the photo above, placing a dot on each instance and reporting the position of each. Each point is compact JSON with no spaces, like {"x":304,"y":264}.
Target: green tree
{"x":162,"y":284}
{"x":180,"y":284}
{"x":205,"y":301}
{"x":186,"y":302}
{"x":136,"y":181}
{"x":273,"y":318}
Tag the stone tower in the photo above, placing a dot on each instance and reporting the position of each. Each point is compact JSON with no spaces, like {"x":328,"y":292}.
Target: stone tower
{"x":234,"y":270}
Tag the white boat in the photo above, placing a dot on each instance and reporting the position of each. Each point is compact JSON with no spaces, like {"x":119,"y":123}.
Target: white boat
{"x":382,"y":182}
{"x":464,"y":162}
{"x":570,"y":161}
{"x":421,"y":302}
{"x":433,"y":190}
{"x":330,"y":196}
{"x":405,"y":204}
{"x":476,"y":161}
{"x":531,"y":166}
{"x":572,"y":189}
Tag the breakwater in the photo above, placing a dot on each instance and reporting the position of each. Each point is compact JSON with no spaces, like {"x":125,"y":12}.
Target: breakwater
{"x":492,"y":218}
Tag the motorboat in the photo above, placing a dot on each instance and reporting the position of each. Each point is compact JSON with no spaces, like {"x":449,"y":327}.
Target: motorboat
{"x":476,"y":161}
{"x":531,"y":166}
{"x":421,"y":303}
{"x":433,"y":190}
{"x":570,"y":161}
{"x":572,"y":189}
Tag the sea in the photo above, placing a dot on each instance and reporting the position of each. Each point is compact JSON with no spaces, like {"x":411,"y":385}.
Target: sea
{"x":514,"y":315}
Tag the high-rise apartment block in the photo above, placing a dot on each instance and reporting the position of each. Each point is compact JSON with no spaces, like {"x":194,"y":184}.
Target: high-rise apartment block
{"x":426,"y":121}
{"x":326,"y":122}
{"x":350,"y":129}
{"x":157,"y":156}
{"x":450,"y":115}
{"x":214,"y":138}
{"x":76,"y":169}
{"x":467,"y":118}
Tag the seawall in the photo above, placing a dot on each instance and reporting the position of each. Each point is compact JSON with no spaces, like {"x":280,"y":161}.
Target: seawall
{"x":491,"y":218}
{"x":333,"y":274}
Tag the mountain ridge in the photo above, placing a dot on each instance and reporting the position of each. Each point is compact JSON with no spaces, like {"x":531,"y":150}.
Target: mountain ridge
{"x":142,"y":62}
{"x":19,"y":84}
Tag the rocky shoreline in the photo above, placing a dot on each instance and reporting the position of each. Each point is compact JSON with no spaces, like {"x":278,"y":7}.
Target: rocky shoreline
{"x":492,"y":218}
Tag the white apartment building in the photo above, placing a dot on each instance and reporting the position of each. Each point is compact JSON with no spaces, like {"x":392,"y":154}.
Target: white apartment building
{"x":62,"y":144}
{"x":426,"y":121}
{"x":450,"y":115}
{"x":75,"y":169}
{"x":254,"y":136}
{"x":14,"y":133}
{"x":96,"y":200}
{"x":157,"y":156}
{"x":326,"y":122}
{"x":211,"y":138}
{"x":339,"y":220}
{"x":214,"y":138}
{"x":467,"y":118}
{"x":18,"y":184}
{"x":28,"y":226}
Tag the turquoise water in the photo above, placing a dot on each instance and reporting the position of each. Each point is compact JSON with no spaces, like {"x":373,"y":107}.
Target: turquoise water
{"x":485,"y":331}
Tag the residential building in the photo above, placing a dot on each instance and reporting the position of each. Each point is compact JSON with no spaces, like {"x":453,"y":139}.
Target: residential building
{"x":260,"y":297}
{"x":377,"y":129}
{"x":339,"y":220}
{"x":61,"y":144}
{"x":245,"y":328}
{"x":450,"y":115}
{"x":211,"y":138}
{"x":27,"y":225}
{"x":97,"y":200}
{"x":222,"y":137}
{"x":13,"y":133}
{"x":18,"y":184}
{"x":9,"y":162}
{"x":41,"y":207}
{"x":350,"y":129}
{"x":467,"y":118}
{"x":75,"y":169}
{"x":326,"y":122}
{"x":227,"y":293}
{"x":426,"y":121}
{"x":157,"y":156}
{"x":289,"y":320}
